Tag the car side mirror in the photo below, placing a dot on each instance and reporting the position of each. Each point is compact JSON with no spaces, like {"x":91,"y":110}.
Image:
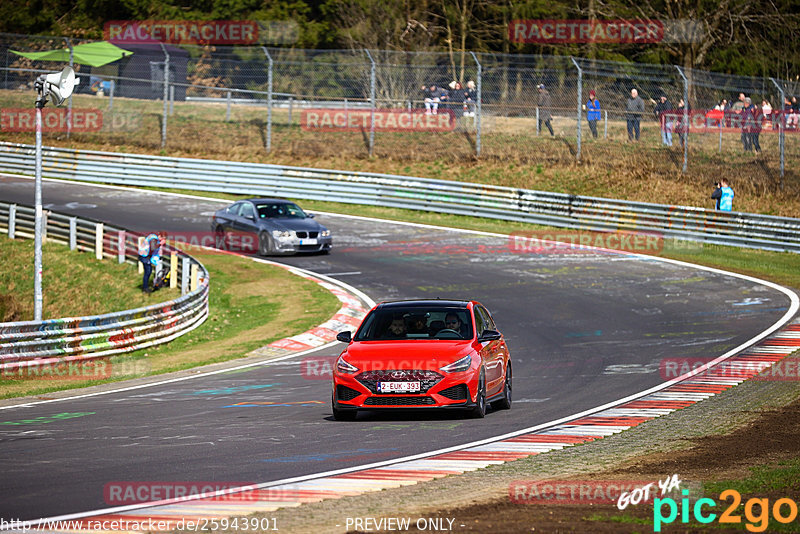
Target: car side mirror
{"x":310,"y":215}
{"x":344,"y":337}
{"x":489,"y":335}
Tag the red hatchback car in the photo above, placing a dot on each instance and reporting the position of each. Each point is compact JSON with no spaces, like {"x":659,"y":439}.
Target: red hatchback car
{"x":423,"y":354}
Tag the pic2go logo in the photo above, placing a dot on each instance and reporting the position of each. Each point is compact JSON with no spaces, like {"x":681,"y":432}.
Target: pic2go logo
{"x":756,"y":511}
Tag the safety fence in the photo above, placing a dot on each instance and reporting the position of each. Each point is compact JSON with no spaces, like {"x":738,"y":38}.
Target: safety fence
{"x":77,"y":339}
{"x":351,"y":102}
{"x":442,"y":196}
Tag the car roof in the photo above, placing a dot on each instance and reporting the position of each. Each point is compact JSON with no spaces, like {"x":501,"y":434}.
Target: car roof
{"x":258,"y":201}
{"x":424,"y":303}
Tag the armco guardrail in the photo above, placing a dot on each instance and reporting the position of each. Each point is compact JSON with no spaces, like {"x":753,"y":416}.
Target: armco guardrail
{"x":34,"y":343}
{"x":505,"y":203}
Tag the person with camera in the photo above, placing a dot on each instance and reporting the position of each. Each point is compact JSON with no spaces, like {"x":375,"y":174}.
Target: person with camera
{"x":150,"y":255}
{"x":723,"y":195}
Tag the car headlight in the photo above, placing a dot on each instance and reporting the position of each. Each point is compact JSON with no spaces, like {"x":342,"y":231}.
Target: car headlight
{"x":325,"y":233}
{"x":343,"y":367}
{"x":281,"y":234}
{"x":458,"y":365}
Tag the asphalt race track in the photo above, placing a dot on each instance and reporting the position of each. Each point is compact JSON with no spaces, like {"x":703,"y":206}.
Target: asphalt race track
{"x":583,"y":329}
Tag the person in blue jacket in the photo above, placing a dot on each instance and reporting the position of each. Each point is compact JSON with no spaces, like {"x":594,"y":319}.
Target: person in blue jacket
{"x":724,"y":196}
{"x":150,"y":255}
{"x":593,"y":112}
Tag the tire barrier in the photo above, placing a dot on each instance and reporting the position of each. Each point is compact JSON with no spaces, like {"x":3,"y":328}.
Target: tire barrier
{"x":70,"y":340}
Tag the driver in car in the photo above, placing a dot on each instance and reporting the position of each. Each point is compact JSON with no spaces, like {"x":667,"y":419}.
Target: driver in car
{"x":397,"y":328}
{"x":452,"y":322}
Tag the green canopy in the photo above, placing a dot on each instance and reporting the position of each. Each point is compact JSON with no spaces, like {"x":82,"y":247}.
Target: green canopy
{"x":93,"y":54}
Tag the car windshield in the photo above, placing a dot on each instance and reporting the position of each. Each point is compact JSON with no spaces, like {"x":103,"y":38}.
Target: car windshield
{"x":276,"y":210}
{"x":414,"y":323}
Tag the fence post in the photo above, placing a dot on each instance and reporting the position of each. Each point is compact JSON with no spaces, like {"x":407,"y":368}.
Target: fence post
{"x":171,"y":99}
{"x":185,"y":275}
{"x":538,"y":124}
{"x":138,"y":247}
{"x":69,"y":100}
{"x":173,"y":269}
{"x":121,"y":246}
{"x":685,"y":119}
{"x":12,"y":220}
{"x":781,"y":121}
{"x":478,"y":106}
{"x":605,"y":124}
{"x":289,"y":121}
{"x":166,"y":97}
{"x":73,"y":233}
{"x":44,"y":226}
{"x":228,"y":108}
{"x":111,"y":96}
{"x":269,"y":99}
{"x":98,"y":241}
{"x":371,"y":102}
{"x":580,"y":99}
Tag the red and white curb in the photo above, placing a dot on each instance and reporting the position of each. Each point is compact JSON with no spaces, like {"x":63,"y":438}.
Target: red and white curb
{"x":354,"y":308}
{"x":386,"y":475}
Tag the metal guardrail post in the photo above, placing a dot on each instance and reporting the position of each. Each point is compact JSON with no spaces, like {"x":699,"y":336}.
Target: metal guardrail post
{"x":781,"y":128}
{"x":121,"y":246}
{"x":98,"y":241}
{"x":269,"y":99}
{"x":73,"y":233}
{"x":185,"y":275}
{"x":173,"y":269}
{"x":685,"y":119}
{"x":166,"y":97}
{"x":371,"y":103}
{"x":12,"y":220}
{"x":478,"y":106}
{"x":228,"y":107}
{"x":580,"y":100}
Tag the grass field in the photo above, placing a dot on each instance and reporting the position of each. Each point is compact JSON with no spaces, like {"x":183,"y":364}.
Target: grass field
{"x":251,"y":304}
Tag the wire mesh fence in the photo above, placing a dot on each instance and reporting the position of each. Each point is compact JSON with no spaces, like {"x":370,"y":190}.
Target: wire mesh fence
{"x":417,"y":106}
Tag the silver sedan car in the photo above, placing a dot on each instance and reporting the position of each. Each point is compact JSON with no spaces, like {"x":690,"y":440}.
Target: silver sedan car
{"x":272,"y":226}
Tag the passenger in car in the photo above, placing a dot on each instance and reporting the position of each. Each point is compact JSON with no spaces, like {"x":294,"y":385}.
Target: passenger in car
{"x":417,"y":324}
{"x":434,"y":327}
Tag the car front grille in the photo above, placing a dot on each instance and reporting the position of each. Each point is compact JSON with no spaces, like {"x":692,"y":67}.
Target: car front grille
{"x":344,"y":393}
{"x":458,"y":392}
{"x":302,"y":235}
{"x":426,"y":379}
{"x":308,"y":247}
{"x":399,"y":401}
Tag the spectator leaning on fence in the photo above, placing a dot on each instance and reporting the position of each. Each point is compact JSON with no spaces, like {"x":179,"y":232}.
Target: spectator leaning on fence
{"x":663,"y":113}
{"x":431,"y":99}
{"x":592,"y":108}
{"x":634,"y":109}
{"x":470,"y":97}
{"x":545,"y":105}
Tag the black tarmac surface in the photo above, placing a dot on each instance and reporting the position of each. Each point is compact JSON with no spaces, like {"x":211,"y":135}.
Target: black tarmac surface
{"x":583,"y":329}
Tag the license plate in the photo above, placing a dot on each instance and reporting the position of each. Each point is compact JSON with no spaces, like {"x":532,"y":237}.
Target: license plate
{"x":308,"y":241}
{"x":398,"y":387}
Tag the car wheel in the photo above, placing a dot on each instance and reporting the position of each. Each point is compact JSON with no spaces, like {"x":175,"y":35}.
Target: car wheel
{"x":265,"y":246}
{"x":505,"y":402}
{"x":479,"y":411}
{"x":342,"y":415}
{"x":219,"y":238}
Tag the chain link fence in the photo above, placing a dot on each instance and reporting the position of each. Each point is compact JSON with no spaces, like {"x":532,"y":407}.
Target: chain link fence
{"x":418,"y":106}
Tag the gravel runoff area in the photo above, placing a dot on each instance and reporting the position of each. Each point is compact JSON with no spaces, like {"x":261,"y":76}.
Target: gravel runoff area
{"x":721,"y":438}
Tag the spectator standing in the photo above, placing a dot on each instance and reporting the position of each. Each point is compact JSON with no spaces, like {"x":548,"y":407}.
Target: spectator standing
{"x":751,"y":117}
{"x":545,"y":104}
{"x":683,"y":128}
{"x":792,"y":117}
{"x":592,"y":108}
{"x":634,"y":109}
{"x":663,"y":113}
{"x":739,"y":105}
{"x":766,"y":110}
